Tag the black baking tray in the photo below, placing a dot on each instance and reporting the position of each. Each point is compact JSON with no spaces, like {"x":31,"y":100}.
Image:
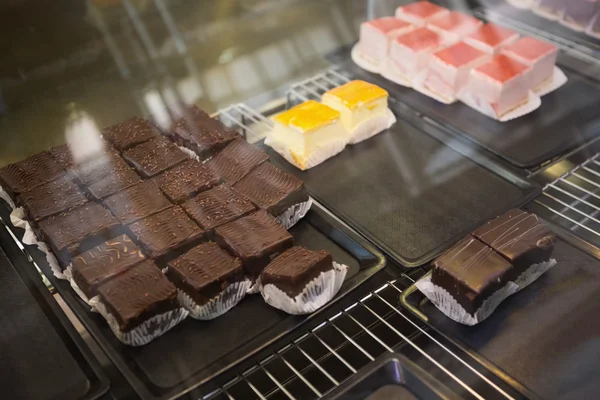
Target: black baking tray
{"x":195,"y":351}
{"x":410,"y":193}
{"x":42,"y":357}
{"x":547,"y":335}
{"x":566,"y":119}
{"x":392,"y":377}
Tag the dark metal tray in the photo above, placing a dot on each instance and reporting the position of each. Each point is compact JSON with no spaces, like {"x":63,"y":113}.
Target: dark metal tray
{"x":41,"y":354}
{"x":409,"y":193}
{"x":195,"y":351}
{"x":545,"y":336}
{"x":392,"y":377}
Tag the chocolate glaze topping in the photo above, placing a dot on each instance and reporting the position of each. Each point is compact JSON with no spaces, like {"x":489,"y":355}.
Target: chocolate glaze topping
{"x":129,"y":133}
{"x":98,"y":168}
{"x":121,"y":177}
{"x":154,"y":156}
{"x":136,"y":202}
{"x":186,"y":180}
{"x":30,"y":173}
{"x":237,"y":160}
{"x":51,"y":198}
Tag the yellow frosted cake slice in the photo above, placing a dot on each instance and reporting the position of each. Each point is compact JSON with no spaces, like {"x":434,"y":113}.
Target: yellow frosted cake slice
{"x":308,"y":134}
{"x":363,"y":109}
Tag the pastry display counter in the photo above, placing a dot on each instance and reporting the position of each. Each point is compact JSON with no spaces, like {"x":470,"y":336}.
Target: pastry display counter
{"x":194,"y":264}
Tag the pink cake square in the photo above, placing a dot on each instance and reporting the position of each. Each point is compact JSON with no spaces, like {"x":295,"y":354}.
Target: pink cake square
{"x":491,"y":38}
{"x":410,"y":53}
{"x":420,"y":12}
{"x":454,"y":26}
{"x":375,"y":36}
{"x":449,"y":68}
{"x":539,"y":55}
{"x":503,"y":83}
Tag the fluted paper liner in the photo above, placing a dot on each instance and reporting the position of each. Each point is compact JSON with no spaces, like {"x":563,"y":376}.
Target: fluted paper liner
{"x":532,"y":104}
{"x":68,"y":273}
{"x":315,"y":295}
{"x":372,"y":127}
{"x":390,"y":72}
{"x":317,"y":157}
{"x":419,"y":86}
{"x":448,"y":305}
{"x":17,"y":217}
{"x":364,"y":61}
{"x":218,"y":305}
{"x":557,"y":80}
{"x":295,"y":213}
{"x":4,"y":196}
{"x":147,"y":330}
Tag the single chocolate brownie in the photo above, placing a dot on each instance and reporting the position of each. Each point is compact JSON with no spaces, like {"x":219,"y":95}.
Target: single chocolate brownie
{"x":69,"y":232}
{"x":129,"y":133}
{"x":186,"y":180}
{"x":66,"y":157}
{"x":137,"y":202}
{"x":98,"y":168}
{"x":237,"y":160}
{"x":29,"y":173}
{"x":154,"y":156}
{"x":205,"y":271}
{"x":218,"y":206}
{"x":519,"y":237}
{"x":471,"y":272}
{"x":272,"y":189}
{"x":137,"y":295}
{"x":165,"y":231}
{"x":121,"y":177}
{"x":51,"y":198}
{"x":255,"y":239}
{"x":293,"y":269}
{"x":104,"y":262}
{"x":201,"y":133}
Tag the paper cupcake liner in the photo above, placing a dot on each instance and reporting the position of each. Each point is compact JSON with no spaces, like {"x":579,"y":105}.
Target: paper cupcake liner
{"x":4,"y":196}
{"x":295,"y":213}
{"x":532,"y":104}
{"x":145,"y":332}
{"x":547,"y":13}
{"x":557,"y":80}
{"x":317,"y":157}
{"x":315,"y":295}
{"x":17,"y":217}
{"x":363,"y":61}
{"x":419,"y":86}
{"x":446,"y":303}
{"x":372,"y":127}
{"x":522,"y":4}
{"x":218,"y":305}
{"x":391,"y":73}
{"x":68,"y":273}
{"x":572,"y":25}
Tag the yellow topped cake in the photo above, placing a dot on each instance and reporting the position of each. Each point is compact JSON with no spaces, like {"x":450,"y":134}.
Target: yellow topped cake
{"x":308,"y":134}
{"x":363,"y":109}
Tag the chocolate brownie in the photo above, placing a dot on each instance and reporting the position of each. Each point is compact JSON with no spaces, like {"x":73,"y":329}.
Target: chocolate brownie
{"x":121,"y":177}
{"x":201,"y":133}
{"x":137,"y":295}
{"x":218,"y":206}
{"x":129,"y":133}
{"x":137,"y":202}
{"x":29,"y":173}
{"x":237,"y":160}
{"x":104,"y":262}
{"x":272,"y":189}
{"x":154,"y":156}
{"x":205,"y":271}
{"x":165,"y":231}
{"x":51,"y":198}
{"x":186,"y":180}
{"x":98,"y":168}
{"x":65,"y":155}
{"x":255,"y":239}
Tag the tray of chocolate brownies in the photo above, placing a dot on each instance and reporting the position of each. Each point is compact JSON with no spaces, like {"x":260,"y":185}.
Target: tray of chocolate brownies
{"x":520,"y":97}
{"x":186,"y":246}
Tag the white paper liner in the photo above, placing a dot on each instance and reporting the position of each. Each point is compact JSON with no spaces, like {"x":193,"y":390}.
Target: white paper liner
{"x":450,"y":307}
{"x":218,"y":305}
{"x":17,"y":217}
{"x":572,"y":25}
{"x":315,"y":295}
{"x":590,"y":31}
{"x":557,"y":80}
{"x":391,"y":73}
{"x":317,"y":157}
{"x":4,"y":196}
{"x":544,"y":13}
{"x":532,"y":104}
{"x":522,"y":4}
{"x":419,"y":86}
{"x":254,"y":288}
{"x":364,"y":61}
{"x":68,"y":273}
{"x":295,"y":213}
{"x":372,"y":127}
{"x":145,"y":332}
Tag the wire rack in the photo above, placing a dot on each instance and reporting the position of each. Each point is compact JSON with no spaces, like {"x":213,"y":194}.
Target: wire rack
{"x":573,"y":199}
{"x":324,"y":357}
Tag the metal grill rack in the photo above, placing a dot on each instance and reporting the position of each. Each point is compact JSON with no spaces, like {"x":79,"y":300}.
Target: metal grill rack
{"x":324,"y":357}
{"x":573,"y":200}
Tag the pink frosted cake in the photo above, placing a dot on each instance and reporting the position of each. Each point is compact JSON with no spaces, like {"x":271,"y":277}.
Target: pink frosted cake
{"x":409,"y":53}
{"x":491,"y":38}
{"x":502,"y":83}
{"x":375,"y":36}
{"x":420,"y":12}
{"x":449,"y":69}
{"x":539,"y":55}
{"x":454,"y":26}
